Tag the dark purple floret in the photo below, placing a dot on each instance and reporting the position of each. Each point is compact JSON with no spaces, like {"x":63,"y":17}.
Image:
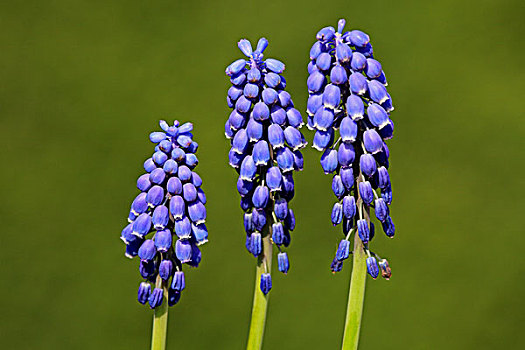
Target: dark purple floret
{"x":167,"y":217}
{"x":349,"y":109}
{"x":266,"y":144}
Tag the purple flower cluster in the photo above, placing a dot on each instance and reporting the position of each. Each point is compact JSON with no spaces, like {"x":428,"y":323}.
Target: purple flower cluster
{"x":166,"y":220}
{"x":349,"y":107}
{"x":265,"y":149}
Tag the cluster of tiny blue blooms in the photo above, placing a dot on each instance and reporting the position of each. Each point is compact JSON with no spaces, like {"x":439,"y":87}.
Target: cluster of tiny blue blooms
{"x":349,"y":108}
{"x":166,"y":220}
{"x":265,"y":149}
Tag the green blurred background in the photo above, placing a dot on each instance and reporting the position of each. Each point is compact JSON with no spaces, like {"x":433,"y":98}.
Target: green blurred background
{"x":82,"y":83}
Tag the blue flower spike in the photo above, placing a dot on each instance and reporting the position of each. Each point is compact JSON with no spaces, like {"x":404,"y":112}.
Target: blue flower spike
{"x":166,"y":222}
{"x":349,"y":110}
{"x":266,"y":142}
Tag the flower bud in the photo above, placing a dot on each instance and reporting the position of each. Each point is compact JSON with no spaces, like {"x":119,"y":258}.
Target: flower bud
{"x":283,"y":263}
{"x":254,"y":130}
{"x":363,"y":230}
{"x":377,"y":115}
{"x":381,"y":209}
{"x":155,"y":196}
{"x":276,"y":136}
{"x":259,"y":219}
{"x":383,"y":178}
{"x":377,"y":92}
{"x":337,"y":214}
{"x":161,"y":217}
{"x":244,"y":187}
{"x":139,"y":205}
{"x":386,"y":272}
{"x":371,"y":266}
{"x":389,"y":227}
{"x":165,"y":269}
{"x":173,"y":297}
{"x":284,"y":158}
{"x":155,"y":299}
{"x":336,"y":265}
{"x":197,"y":212}
{"x":261,"y":111}
{"x":256,"y":243}
{"x":337,"y":186}
{"x":248,"y":169}
{"x":358,"y":38}
{"x":191,"y":160}
{"x":251,"y":90}
{"x":260,"y":197}
{"x":358,"y":84}
{"x":178,"y":154}
{"x":275,"y":65}
{"x":200,"y":232}
{"x":240,"y":141}
{"x":266,"y":283}
{"x":179,"y":282}
{"x":281,"y":208}
{"x":177,"y":207}
{"x":163,"y":240}
{"x":147,"y":250}
{"x":253,"y":75}
{"x":142,"y":225}
{"x":149,"y":165}
{"x":346,"y":154}
{"x":373,"y":69}
{"x":147,"y":269}
{"x":358,"y":62}
{"x":261,"y":153}
{"x":269,"y":96}
{"x":349,"y":207}
{"x":274,"y":179}
{"x":343,"y":52}
{"x":338,"y":75}
{"x":315,"y":82}
{"x":348,"y":130}
{"x":343,"y":251}
{"x":347,"y":177}
{"x":170,"y":167}
{"x":189,"y":192}
{"x":144,"y":292}
{"x":143,"y":182}
{"x":329,"y":161}
{"x":183,"y":250}
{"x":159,"y":158}
{"x":183,"y":228}
{"x":278,"y":233}
{"x":355,"y":107}
{"x":323,"y":139}
{"x":367,"y":164}
{"x":294,"y":138}
{"x":366,"y":192}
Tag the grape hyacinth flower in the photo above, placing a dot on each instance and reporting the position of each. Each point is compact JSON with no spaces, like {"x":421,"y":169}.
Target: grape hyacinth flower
{"x":166,"y":223}
{"x":265,"y":151}
{"x":349,"y":109}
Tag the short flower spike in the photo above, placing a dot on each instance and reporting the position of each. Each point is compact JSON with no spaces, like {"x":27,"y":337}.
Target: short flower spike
{"x":349,"y":109}
{"x":167,"y":219}
{"x":265,"y":150}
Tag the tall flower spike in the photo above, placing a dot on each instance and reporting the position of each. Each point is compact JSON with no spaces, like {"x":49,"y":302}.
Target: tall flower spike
{"x":167,"y":217}
{"x":348,"y":101}
{"x":265,"y":150}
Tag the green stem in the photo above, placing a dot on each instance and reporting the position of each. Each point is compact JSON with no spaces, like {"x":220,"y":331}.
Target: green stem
{"x":160,"y":323}
{"x":260,"y":301}
{"x":356,"y":294}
